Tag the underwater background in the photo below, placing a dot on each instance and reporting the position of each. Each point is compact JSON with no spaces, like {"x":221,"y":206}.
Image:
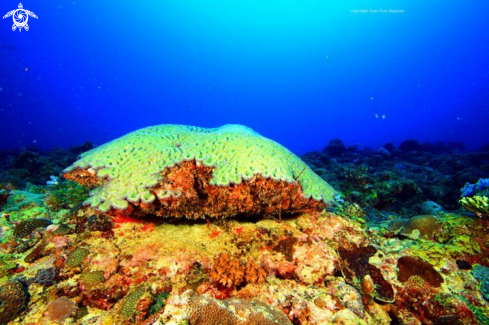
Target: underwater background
{"x":298,"y":72}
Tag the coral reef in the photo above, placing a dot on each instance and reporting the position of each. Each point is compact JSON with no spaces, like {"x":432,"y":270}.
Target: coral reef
{"x":410,"y":266}
{"x":481,"y":273}
{"x":475,"y":197}
{"x":41,"y":249}
{"x":184,"y":166}
{"x":44,"y":277}
{"x":21,"y":205}
{"x":403,"y":181}
{"x":92,"y":278}
{"x":13,"y":300}
{"x":355,"y":266}
{"x":385,"y":254}
{"x":61,"y":309}
{"x":76,"y":257}
{"x":430,"y":207}
{"x":26,"y":227}
{"x":129,"y":307}
{"x":65,"y":195}
{"x":203,"y":310}
{"x":35,"y":166}
{"x":232,"y":273}
{"x":481,"y":187}
{"x":477,"y":204}
{"x":350,"y":298}
{"x":4,"y":194}
{"x":335,"y":147}
{"x":423,"y":226}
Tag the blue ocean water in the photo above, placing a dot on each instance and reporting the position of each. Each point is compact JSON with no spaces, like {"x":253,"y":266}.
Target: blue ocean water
{"x":298,"y":72}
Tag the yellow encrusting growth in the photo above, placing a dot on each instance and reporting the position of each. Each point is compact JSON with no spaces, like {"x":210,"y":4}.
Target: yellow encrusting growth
{"x":130,"y":166}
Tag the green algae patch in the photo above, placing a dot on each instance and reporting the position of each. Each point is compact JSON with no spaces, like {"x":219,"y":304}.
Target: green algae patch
{"x":130,"y":169}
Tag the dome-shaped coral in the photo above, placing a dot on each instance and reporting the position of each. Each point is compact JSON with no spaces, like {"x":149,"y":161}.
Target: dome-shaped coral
{"x":176,"y":170}
{"x":13,"y":300}
{"x":61,"y":309}
{"x":423,"y":226}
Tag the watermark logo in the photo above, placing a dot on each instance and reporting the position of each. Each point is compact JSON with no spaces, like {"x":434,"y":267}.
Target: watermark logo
{"x":20,"y":17}
{"x":377,"y":11}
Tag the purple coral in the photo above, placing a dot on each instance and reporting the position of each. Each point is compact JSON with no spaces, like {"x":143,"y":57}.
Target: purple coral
{"x":471,"y":189}
{"x":482,"y":184}
{"x":467,"y":190}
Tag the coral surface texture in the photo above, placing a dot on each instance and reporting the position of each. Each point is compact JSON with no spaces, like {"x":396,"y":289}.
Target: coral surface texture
{"x":186,"y":171}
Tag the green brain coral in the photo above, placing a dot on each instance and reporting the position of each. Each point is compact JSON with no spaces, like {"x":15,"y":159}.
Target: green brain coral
{"x":130,"y":166}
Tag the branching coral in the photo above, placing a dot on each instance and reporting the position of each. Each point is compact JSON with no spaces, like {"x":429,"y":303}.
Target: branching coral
{"x":477,"y":204}
{"x":475,"y":197}
{"x":230,"y":272}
